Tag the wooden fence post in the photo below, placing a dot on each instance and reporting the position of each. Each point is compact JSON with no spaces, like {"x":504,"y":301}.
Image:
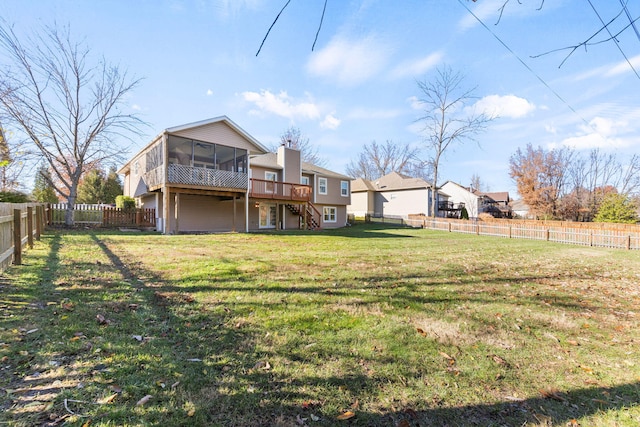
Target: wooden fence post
{"x":30,"y":226}
{"x":548,"y":234}
{"x":17,"y":237}
{"x":38,"y":222}
{"x":628,"y":242}
{"x":509,"y":231}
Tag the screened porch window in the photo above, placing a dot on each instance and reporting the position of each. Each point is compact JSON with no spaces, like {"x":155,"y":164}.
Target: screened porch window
{"x":188,"y":152}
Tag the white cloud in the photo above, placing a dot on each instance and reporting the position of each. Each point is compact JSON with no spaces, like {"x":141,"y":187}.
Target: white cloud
{"x":415,"y":103}
{"x":282,"y":105}
{"x":350,"y":62}
{"x":417,"y":66}
{"x":209,"y":92}
{"x":505,"y":106}
{"x":623,"y":67}
{"x":600,"y":133}
{"x":136,"y":107}
{"x":330,"y":122}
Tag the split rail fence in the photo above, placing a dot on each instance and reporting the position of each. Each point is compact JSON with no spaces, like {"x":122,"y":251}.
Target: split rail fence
{"x":605,"y":235}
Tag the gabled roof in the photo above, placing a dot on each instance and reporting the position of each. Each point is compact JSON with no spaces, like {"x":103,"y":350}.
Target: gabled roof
{"x":180,"y":128}
{"x":396,"y":181}
{"x":213,"y":120}
{"x":311,"y":169}
{"x":502,"y":196}
{"x":270,"y":160}
{"x":267,"y":160}
{"x":361,"y":184}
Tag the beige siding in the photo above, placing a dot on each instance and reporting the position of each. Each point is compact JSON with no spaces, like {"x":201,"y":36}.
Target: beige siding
{"x":341,"y":216}
{"x":206,"y":214}
{"x":258,"y":172}
{"x":333,"y":196}
{"x":361,"y":203}
{"x":290,"y":161}
{"x":402,"y":203}
{"x":218,"y":133}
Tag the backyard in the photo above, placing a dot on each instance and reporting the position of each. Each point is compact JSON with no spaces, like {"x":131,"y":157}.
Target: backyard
{"x":368,"y":325}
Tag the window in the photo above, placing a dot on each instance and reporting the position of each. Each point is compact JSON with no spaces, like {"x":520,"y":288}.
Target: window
{"x":322,"y":185}
{"x":344,"y":188}
{"x":329,"y":214}
{"x":304,"y":180}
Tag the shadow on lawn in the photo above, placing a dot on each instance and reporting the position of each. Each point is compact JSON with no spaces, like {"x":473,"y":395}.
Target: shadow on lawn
{"x":271,"y":401}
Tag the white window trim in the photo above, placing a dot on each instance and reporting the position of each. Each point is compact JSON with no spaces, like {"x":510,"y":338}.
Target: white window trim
{"x":326,"y":186}
{"x":346,"y":190}
{"x":324,"y":214}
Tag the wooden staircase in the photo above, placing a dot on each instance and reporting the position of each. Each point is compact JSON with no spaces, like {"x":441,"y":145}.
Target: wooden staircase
{"x":309,"y":215}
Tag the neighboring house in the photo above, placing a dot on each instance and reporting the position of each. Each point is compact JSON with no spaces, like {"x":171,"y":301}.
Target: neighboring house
{"x":521,"y":210}
{"x":393,"y":195}
{"x":212,"y":176}
{"x":496,"y":204}
{"x":475,"y":202}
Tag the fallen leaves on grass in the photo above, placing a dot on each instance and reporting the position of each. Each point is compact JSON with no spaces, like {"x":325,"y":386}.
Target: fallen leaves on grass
{"x":552,"y":394}
{"x":144,"y":400}
{"x":346,"y":415}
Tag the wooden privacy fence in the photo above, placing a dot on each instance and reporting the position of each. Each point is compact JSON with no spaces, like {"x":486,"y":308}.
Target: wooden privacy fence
{"x":102,"y":216}
{"x":605,"y":235}
{"x":20,"y":223}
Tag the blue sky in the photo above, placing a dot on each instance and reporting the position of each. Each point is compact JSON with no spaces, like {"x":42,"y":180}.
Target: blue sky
{"x":198,"y":60}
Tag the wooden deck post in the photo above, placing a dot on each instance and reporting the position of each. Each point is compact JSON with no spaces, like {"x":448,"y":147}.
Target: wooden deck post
{"x":30,"y":226}
{"x":166,"y":209}
{"x":176,"y":209}
{"x":17,"y":237}
{"x":233,"y":224}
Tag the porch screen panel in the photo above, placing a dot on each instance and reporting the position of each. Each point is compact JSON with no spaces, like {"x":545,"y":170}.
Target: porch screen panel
{"x":241,"y":160}
{"x":225,"y":158}
{"x":204,"y":155}
{"x":180,"y":151}
{"x":154,"y":158}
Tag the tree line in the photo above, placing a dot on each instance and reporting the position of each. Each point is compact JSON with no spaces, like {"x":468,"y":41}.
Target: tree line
{"x":570,"y":185}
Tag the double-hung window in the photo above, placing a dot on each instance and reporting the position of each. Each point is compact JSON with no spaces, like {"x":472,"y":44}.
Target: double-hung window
{"x":322,"y":185}
{"x":344,"y":188}
{"x":329,"y":214}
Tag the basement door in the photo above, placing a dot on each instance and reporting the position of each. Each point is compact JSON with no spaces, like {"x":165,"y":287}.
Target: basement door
{"x":267,"y":214}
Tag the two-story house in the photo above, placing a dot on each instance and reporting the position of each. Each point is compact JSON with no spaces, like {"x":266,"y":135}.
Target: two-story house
{"x":456,"y":197}
{"x":212,"y":176}
{"x":392,"y":195}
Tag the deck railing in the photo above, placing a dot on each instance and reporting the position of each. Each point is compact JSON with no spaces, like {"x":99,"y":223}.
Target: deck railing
{"x":198,"y":176}
{"x":181,"y":174}
{"x":266,"y":189}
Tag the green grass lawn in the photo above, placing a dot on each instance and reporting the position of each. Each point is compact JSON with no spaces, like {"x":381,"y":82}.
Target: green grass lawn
{"x":364,"y":326}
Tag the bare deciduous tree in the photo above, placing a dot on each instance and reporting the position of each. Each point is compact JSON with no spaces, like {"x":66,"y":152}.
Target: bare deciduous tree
{"x":69,"y":109}
{"x":292,"y":137}
{"x":376,"y":160}
{"x":446,"y":122}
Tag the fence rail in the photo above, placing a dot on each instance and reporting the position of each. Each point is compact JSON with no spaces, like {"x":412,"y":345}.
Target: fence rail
{"x":604,"y":235}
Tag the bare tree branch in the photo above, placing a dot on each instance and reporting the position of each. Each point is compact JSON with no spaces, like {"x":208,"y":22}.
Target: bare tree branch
{"x":69,"y":110}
